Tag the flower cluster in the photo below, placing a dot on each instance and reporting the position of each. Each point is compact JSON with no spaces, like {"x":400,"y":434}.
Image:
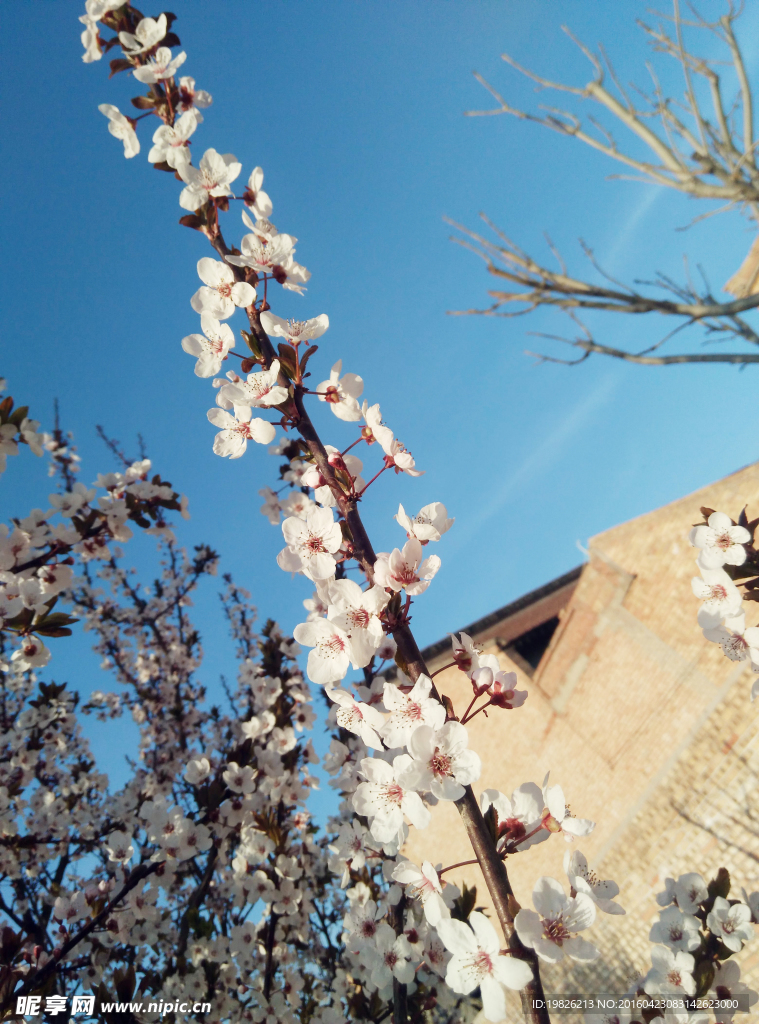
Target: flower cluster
{"x":39,"y":552}
{"x":726,"y":555}
{"x":215,"y":815}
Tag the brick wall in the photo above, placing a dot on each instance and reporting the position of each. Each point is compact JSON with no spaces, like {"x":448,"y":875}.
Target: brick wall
{"x":647,"y":727}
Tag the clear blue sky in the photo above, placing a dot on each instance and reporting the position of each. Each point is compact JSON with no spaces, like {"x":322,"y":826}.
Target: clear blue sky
{"x":355,"y":112}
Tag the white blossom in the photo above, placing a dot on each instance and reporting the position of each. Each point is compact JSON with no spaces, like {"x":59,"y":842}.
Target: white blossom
{"x":342,"y":393}
{"x":720,"y":542}
{"x":170,"y":141}
{"x":220,"y":293}
{"x":210,"y":347}
{"x":331,"y":656}
{"x":149,"y":31}
{"x":430,"y":522}
{"x":551,"y":932}
{"x":477,"y":961}
{"x":405,"y":570}
{"x":730,"y":923}
{"x":211,"y":180}
{"x":160,"y":66}
{"x":407,"y":711}
{"x":442,"y":763}
{"x":582,"y":879}
{"x":237,"y":430}
{"x":121,"y":127}
{"x":671,"y":973}
{"x":384,"y":800}
{"x":311,"y":545}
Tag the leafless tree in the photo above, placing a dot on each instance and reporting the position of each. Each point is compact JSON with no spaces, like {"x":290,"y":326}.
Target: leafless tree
{"x":702,"y":146}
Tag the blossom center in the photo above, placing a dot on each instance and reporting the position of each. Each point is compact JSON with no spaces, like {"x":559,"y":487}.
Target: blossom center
{"x":482,"y":963}
{"x":333,"y":644}
{"x":394,"y":794}
{"x":440,"y":764}
{"x":359,"y":618}
{"x":674,"y":978}
{"x":555,"y":930}
{"x":225,"y":289}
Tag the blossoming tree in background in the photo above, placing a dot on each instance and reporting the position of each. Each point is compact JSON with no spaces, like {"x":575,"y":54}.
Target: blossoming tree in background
{"x":203,"y":881}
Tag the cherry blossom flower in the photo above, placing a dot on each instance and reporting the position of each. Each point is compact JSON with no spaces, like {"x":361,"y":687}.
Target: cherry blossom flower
{"x":551,"y":932}
{"x":396,"y":454}
{"x":294,"y":331}
{"x":677,"y":930}
{"x":731,"y":923}
{"x":170,"y":142}
{"x":465,"y":653}
{"x":738,"y":641}
{"x":727,"y":985}
{"x":160,"y":66}
{"x":257,"y":200}
{"x":671,"y":973}
{"x":211,"y":180}
{"x":318,"y":604}
{"x":94,"y":11}
{"x":688,"y":892}
{"x":518,"y":817}
{"x":265,"y":256}
{"x":385,"y":801}
{"x":220,"y":292}
{"x":237,"y":430}
{"x":297,"y":504}
{"x":259,"y":390}
{"x":121,"y":127}
{"x":410,"y":710}
{"x":500,"y":687}
{"x":582,"y":879}
{"x":360,"y":719}
{"x":721,"y":597}
{"x":119,"y":846}
{"x":31,"y":654}
{"x":387,"y":648}
{"x":442,"y":763}
{"x":424,"y":885}
{"x":211,"y":347}
{"x":558,"y":818}
{"x":190,"y":97}
{"x":430,"y":523}
{"x":271,"y":507}
{"x":240,"y":779}
{"x":70,"y":909}
{"x":477,"y":961}
{"x":197,"y":771}
{"x":148,"y":32}
{"x":341,"y":393}
{"x":389,"y":957}
{"x":720,"y":542}
{"x":311,"y":544}
{"x":405,"y":570}
{"x":331,"y":656}
{"x":357,"y":611}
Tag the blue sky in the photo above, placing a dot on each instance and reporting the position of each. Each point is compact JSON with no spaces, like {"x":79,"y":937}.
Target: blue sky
{"x":356,"y":113}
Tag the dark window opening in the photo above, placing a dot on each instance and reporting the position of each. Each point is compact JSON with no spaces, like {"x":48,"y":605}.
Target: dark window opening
{"x":529,"y":648}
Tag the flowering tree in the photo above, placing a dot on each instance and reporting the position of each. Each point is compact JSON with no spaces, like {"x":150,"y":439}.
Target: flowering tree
{"x":703,"y":146}
{"x":201,"y":887}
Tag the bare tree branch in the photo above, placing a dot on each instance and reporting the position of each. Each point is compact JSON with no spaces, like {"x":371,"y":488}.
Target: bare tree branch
{"x":696,"y":151}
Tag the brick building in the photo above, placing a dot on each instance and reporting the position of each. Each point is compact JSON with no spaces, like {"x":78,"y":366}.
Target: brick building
{"x":647,"y":727}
